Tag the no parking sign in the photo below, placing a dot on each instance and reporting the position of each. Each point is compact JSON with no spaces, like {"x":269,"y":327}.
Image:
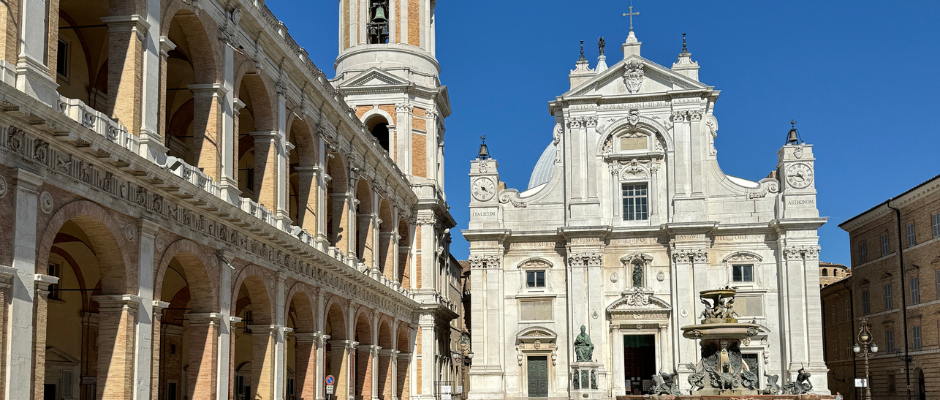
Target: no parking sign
{"x":330,"y":380}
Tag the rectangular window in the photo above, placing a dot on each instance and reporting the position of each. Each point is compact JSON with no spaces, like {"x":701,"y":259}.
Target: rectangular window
{"x":866,"y":303}
{"x":62,"y":59}
{"x":743,"y":273}
{"x":911,"y":239}
{"x":936,"y":225}
{"x":635,"y":202}
{"x":888,"y":296}
{"x":885,"y":249}
{"x":848,"y":315}
{"x":889,"y":340}
{"x":892,"y":384}
{"x":915,"y":332}
{"x":915,"y":290}
{"x":535,"y":279}
{"x":56,"y":271}
{"x":862,"y":252}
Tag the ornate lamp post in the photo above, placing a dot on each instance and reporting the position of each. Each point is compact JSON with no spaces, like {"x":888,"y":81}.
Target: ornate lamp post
{"x":865,"y":349}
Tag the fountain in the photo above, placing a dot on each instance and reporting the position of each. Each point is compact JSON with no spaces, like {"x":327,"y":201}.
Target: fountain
{"x":721,"y":372}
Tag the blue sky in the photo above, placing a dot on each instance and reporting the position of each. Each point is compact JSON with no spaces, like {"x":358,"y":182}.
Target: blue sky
{"x":860,"y":77}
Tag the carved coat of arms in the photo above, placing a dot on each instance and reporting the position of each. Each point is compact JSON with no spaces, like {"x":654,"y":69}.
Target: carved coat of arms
{"x":633,"y":76}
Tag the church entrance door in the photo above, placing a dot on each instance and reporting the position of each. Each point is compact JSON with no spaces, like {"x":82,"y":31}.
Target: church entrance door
{"x":537,"y":376}
{"x":639,"y":362}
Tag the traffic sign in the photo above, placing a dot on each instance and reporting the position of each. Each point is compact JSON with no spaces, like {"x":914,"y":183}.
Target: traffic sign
{"x":861,"y":382}
{"x":330,"y":380}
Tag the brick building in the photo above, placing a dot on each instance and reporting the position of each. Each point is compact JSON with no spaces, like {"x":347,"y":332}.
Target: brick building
{"x":830,"y":273}
{"x":192,"y":210}
{"x":902,"y":304}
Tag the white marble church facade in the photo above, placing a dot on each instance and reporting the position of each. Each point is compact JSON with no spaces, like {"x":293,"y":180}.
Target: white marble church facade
{"x":626,"y":218}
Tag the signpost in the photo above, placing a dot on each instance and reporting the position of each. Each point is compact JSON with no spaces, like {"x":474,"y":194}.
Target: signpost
{"x":861,"y":382}
{"x":330,"y":381}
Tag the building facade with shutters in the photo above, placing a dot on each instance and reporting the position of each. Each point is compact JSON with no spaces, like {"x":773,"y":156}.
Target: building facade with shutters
{"x":626,"y":218}
{"x":895,"y":284}
{"x":193,"y":210}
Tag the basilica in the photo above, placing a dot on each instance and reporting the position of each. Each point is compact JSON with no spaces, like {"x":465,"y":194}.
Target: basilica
{"x":582,"y":280}
{"x":192,"y":209}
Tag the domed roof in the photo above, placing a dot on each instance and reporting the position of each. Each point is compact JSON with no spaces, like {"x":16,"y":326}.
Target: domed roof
{"x":544,"y":168}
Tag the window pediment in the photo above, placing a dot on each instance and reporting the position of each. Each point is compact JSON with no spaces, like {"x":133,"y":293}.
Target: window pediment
{"x":742,"y":256}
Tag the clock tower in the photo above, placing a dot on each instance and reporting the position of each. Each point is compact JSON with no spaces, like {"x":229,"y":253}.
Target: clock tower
{"x":796,"y":170}
{"x":484,"y":189}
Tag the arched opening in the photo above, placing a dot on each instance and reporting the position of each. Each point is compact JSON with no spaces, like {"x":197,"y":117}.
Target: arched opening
{"x":378,"y":126}
{"x":825,"y":272}
{"x":378,"y":21}
{"x":85,"y":311}
{"x":921,"y":385}
{"x":302,"y":160}
{"x":187,"y":332}
{"x":253,"y":353}
{"x":363,"y":360}
{"x":337,"y":203}
{"x":190,"y":108}
{"x":387,"y":240}
{"x":404,"y":361}
{"x":404,"y":251}
{"x":301,"y":350}
{"x":82,"y":57}
{"x":336,"y":362}
{"x":364,"y":223}
{"x":386,"y":341}
{"x":256,"y":134}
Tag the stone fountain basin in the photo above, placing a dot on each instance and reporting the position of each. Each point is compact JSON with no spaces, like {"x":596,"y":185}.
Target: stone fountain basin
{"x":720,"y":331}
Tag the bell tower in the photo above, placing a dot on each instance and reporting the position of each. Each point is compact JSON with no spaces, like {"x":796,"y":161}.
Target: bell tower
{"x":387,"y":71}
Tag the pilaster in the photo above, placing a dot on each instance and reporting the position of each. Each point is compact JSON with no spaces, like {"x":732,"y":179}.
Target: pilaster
{"x":145,"y":312}
{"x":126,"y":47}
{"x":32,"y":74}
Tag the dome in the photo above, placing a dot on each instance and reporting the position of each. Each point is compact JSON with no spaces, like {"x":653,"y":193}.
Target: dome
{"x":544,"y":168}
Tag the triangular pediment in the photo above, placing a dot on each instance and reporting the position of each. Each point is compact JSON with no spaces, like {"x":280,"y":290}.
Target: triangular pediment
{"x":638,"y":301}
{"x":57,"y":356}
{"x":373,"y":77}
{"x":634,"y":75}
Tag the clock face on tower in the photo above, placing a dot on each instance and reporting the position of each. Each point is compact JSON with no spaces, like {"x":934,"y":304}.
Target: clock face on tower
{"x":483,"y":189}
{"x":799,"y":175}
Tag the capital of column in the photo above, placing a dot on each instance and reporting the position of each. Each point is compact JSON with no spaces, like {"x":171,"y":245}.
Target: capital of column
{"x":305,"y":337}
{"x":208,"y":90}
{"x":159,"y":306}
{"x":389,"y":353}
{"x":43,"y":282}
{"x":204,"y":319}
{"x":27,"y":181}
{"x":148,"y":228}
{"x":404,"y":355}
{"x":263,"y":329}
{"x":166,"y":46}
{"x":234,"y":320}
{"x":6,"y":276}
{"x":264,"y":136}
{"x":127,"y":23}
{"x":120,"y":301}
{"x":322,"y":340}
{"x":370,"y":348}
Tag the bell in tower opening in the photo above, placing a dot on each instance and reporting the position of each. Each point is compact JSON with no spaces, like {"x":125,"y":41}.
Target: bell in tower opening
{"x":378,"y":23}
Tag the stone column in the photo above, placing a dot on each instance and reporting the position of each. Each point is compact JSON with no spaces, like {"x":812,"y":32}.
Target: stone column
{"x":126,"y":47}
{"x":157,"y":318}
{"x":320,"y":387}
{"x":226,"y":321}
{"x":280,"y":348}
{"x":365,"y":370}
{"x":116,"y":333}
{"x":145,"y":324}
{"x":19,"y":336}
{"x":320,"y":233}
{"x":425,"y":356}
{"x":283,"y":147}
{"x":229,"y":132}
{"x":41,"y":318}
{"x":352,"y":230}
{"x":202,"y":376}
{"x":345,"y":383}
{"x":385,"y":365}
{"x":151,"y":144}
{"x":207,"y":104}
{"x":266,"y":163}
{"x":33,"y":77}
{"x":305,"y":369}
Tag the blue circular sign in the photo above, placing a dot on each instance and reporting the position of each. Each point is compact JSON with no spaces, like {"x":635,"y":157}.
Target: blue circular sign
{"x":330,"y":379}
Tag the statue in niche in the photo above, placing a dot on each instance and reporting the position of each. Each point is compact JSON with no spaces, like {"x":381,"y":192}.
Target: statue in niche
{"x":583,"y":347}
{"x":637,"y":275}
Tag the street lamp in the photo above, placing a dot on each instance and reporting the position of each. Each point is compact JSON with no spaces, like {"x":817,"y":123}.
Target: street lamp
{"x":865,"y":349}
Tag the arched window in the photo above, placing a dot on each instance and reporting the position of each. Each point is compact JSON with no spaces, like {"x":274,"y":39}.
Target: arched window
{"x":378,"y":22}
{"x":825,"y":272}
{"x":378,"y":126}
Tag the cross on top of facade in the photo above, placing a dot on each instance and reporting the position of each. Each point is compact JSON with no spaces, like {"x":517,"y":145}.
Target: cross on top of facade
{"x":631,"y":14}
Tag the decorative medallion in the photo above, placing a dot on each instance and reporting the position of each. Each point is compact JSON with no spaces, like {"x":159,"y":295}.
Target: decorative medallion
{"x":660,"y":276}
{"x":634,"y":117}
{"x":595,"y":314}
{"x":129,"y":232}
{"x":483,"y":189}
{"x":159,"y":242}
{"x":614,"y":278}
{"x":45,"y":202}
{"x":684,"y":312}
{"x":3,"y":187}
{"x":798,"y":152}
{"x":799,"y":175}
